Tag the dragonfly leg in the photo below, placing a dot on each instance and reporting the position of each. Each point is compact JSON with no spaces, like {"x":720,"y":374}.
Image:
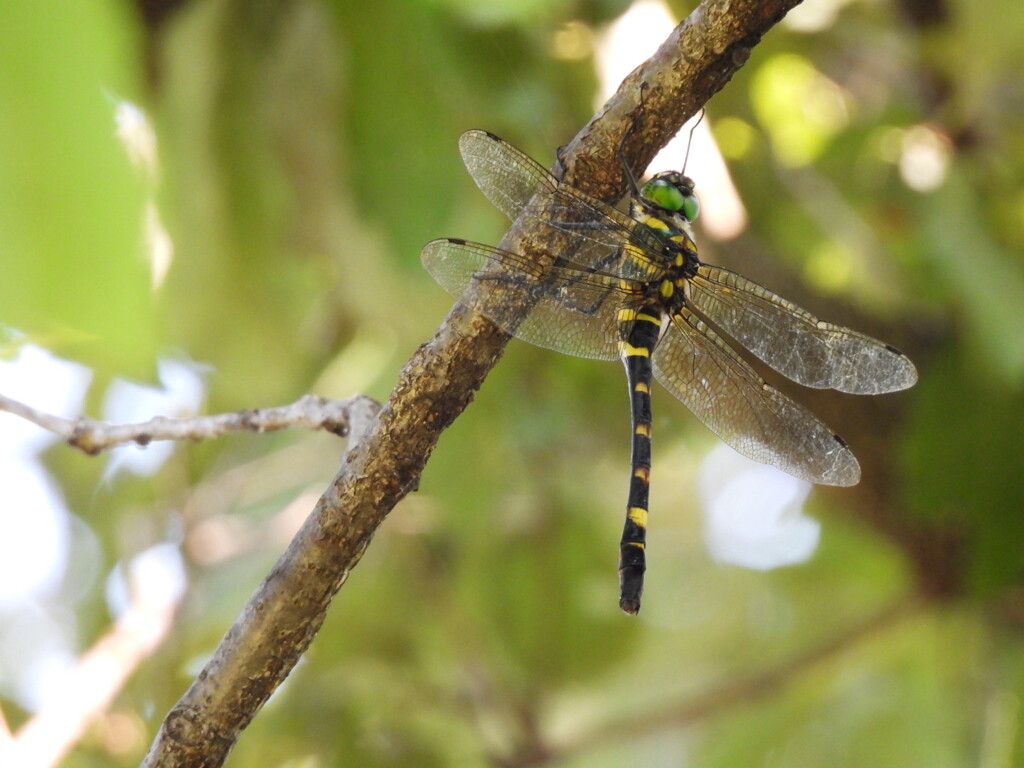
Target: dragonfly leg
{"x":560,"y":161}
{"x":634,"y":189}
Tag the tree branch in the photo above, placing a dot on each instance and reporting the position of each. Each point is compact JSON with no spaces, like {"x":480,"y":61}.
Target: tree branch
{"x":287,"y":609}
{"x":342,"y":417}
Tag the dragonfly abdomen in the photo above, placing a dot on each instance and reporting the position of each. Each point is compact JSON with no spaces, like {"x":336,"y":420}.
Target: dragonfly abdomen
{"x":641,"y":328}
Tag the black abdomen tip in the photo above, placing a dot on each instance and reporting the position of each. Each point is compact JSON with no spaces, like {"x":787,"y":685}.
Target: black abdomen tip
{"x":632,"y":607}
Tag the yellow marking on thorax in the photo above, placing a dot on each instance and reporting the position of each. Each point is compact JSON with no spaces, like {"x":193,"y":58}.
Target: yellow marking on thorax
{"x":638,"y":515}
{"x":633,"y":251}
{"x":653,"y":222}
{"x":666,"y":288}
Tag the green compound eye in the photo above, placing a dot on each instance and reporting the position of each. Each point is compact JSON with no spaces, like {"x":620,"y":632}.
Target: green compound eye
{"x":690,"y":207}
{"x":664,"y":195}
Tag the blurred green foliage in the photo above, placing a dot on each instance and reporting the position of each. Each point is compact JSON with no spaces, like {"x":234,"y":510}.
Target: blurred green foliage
{"x":307,"y":149}
{"x":70,"y":204}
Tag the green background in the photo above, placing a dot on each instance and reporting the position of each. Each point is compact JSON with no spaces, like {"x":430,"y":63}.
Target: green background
{"x":307,"y":150}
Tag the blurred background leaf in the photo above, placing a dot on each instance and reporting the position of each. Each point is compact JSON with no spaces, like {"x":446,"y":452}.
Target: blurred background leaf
{"x":71,"y":271}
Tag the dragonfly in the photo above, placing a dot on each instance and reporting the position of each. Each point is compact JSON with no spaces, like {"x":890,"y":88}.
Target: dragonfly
{"x":632,"y":287}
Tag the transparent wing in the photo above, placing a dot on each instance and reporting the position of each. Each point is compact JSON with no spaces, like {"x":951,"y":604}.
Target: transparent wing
{"x":573,"y":310}
{"x":517,"y":185}
{"x":796,"y":343}
{"x":695,"y":365}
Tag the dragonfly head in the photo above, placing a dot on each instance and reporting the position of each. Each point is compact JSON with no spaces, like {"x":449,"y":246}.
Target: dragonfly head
{"x":672,"y":191}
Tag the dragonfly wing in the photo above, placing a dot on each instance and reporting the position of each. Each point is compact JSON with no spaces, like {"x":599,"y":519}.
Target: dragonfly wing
{"x":519,"y":186}
{"x":507,"y":177}
{"x":572,"y":311}
{"x":725,"y":393}
{"x":796,"y":343}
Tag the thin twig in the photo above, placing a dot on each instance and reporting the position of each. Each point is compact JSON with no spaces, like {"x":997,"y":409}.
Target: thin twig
{"x":342,"y":417}
{"x":287,"y":609}
{"x":56,"y":424}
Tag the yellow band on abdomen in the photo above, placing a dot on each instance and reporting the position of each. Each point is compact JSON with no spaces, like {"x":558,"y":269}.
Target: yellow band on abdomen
{"x":628,"y":350}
